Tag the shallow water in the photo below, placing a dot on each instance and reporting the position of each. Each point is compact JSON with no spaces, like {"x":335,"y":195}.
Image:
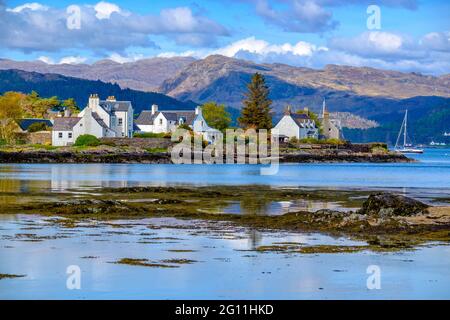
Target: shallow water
{"x":227,"y":265}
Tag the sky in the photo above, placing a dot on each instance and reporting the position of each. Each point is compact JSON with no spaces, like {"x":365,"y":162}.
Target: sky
{"x":403,"y":35}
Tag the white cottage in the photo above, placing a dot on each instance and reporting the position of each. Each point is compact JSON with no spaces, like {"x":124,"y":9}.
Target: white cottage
{"x":300,"y":126}
{"x":167,"y":121}
{"x":109,"y":118}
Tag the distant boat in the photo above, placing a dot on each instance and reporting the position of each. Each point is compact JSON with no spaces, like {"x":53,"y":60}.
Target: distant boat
{"x":407,"y":147}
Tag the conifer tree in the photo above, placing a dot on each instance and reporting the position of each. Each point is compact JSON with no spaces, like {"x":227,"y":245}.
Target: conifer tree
{"x":256,"y":110}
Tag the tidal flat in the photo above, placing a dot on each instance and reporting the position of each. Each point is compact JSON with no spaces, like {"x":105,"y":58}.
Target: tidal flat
{"x":224,"y":231}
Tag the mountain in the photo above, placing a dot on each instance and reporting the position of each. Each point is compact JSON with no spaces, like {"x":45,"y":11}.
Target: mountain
{"x":224,"y":79}
{"x":360,"y":95}
{"x":48,"y":85}
{"x":143,"y":75}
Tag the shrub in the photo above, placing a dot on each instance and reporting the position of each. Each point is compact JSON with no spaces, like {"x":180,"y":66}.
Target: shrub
{"x":149,"y":135}
{"x":87,"y":140}
{"x":37,"y":126}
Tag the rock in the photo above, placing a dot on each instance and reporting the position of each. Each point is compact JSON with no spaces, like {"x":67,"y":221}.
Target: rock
{"x":387,"y":205}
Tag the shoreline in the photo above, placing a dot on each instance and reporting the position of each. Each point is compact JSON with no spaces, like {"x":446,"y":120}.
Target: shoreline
{"x":329,"y":156}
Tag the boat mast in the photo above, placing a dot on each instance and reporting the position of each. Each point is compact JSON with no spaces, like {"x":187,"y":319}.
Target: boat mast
{"x":404,"y":133}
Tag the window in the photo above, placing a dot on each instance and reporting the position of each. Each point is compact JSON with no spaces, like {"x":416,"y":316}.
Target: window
{"x":60,"y":135}
{"x":70,"y":135}
{"x":120,"y":121}
{"x":160,"y":121}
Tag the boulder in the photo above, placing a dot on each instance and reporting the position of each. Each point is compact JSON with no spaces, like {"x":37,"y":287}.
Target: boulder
{"x":387,"y":204}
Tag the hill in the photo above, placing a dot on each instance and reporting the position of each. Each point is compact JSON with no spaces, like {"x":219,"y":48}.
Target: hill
{"x":143,"y":75}
{"x":48,"y":85}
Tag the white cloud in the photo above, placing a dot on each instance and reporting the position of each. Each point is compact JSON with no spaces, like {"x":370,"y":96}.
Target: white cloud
{"x":72,"y":60}
{"x":264,"y":48}
{"x":31,"y":30}
{"x":64,"y":60}
{"x":47,"y":60}
{"x":124,"y":59}
{"x":105,"y":9}
{"x":33,"y":6}
{"x":189,"y":53}
{"x":439,"y":41}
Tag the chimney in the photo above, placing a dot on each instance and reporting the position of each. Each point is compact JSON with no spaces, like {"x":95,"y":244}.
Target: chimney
{"x":94,"y":101}
{"x":198,"y":110}
{"x":154,"y":108}
{"x":287,"y":111}
{"x":67,"y":112}
{"x":306,"y":109}
{"x":111,"y":98}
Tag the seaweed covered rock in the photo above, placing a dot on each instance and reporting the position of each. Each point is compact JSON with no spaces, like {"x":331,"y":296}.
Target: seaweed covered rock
{"x":388,"y":204}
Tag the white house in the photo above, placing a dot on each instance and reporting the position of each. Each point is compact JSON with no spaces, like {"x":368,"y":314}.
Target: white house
{"x":109,"y":118}
{"x":300,"y":126}
{"x":167,"y":121}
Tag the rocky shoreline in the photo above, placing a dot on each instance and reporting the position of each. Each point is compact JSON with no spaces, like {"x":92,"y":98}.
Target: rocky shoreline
{"x":165,"y":157}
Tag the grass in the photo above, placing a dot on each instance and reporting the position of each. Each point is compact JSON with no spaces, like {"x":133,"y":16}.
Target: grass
{"x":156,"y":150}
{"x":150,"y":135}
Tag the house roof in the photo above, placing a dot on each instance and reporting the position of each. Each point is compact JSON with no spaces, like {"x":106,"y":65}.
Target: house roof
{"x":65,"y":123}
{"x":146,"y":117}
{"x":300,"y":119}
{"x":24,"y":124}
{"x":115,"y":105}
{"x":99,"y":120}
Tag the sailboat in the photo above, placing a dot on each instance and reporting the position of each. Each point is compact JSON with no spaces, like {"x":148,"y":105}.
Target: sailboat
{"x":407,"y":147}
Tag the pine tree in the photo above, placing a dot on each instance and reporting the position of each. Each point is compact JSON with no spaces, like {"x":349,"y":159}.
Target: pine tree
{"x":256,"y":110}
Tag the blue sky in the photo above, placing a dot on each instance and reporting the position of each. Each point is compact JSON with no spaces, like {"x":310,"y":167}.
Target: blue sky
{"x":414,"y":35}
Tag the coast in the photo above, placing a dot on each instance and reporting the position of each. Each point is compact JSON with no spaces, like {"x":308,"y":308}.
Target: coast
{"x":128,"y":156}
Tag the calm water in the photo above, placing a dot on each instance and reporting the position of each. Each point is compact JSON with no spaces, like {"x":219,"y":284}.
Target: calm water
{"x":227,"y":265}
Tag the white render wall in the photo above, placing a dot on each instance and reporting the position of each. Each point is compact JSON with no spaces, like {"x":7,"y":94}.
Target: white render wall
{"x":64,"y":141}
{"x":287,"y":126}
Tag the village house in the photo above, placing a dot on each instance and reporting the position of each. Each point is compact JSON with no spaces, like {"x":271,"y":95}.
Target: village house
{"x":167,"y":121}
{"x":296,"y":125}
{"x":100,"y":118}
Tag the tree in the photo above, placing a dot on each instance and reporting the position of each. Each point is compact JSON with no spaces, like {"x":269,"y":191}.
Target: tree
{"x":216,"y":116}
{"x":10,"y":110}
{"x":256,"y":110}
{"x":37,"y":126}
{"x":71,"y":105}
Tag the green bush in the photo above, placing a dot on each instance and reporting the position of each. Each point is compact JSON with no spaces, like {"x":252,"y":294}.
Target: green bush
{"x":87,"y":140}
{"x":149,"y":135}
{"x":3,"y":142}
{"x":37,"y":126}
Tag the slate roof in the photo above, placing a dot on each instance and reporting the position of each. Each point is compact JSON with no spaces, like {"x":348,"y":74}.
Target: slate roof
{"x":146,"y":117}
{"x":65,"y":123}
{"x":300,"y":119}
{"x":110,"y":106}
{"x":24,"y":124}
{"x":99,"y":120}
